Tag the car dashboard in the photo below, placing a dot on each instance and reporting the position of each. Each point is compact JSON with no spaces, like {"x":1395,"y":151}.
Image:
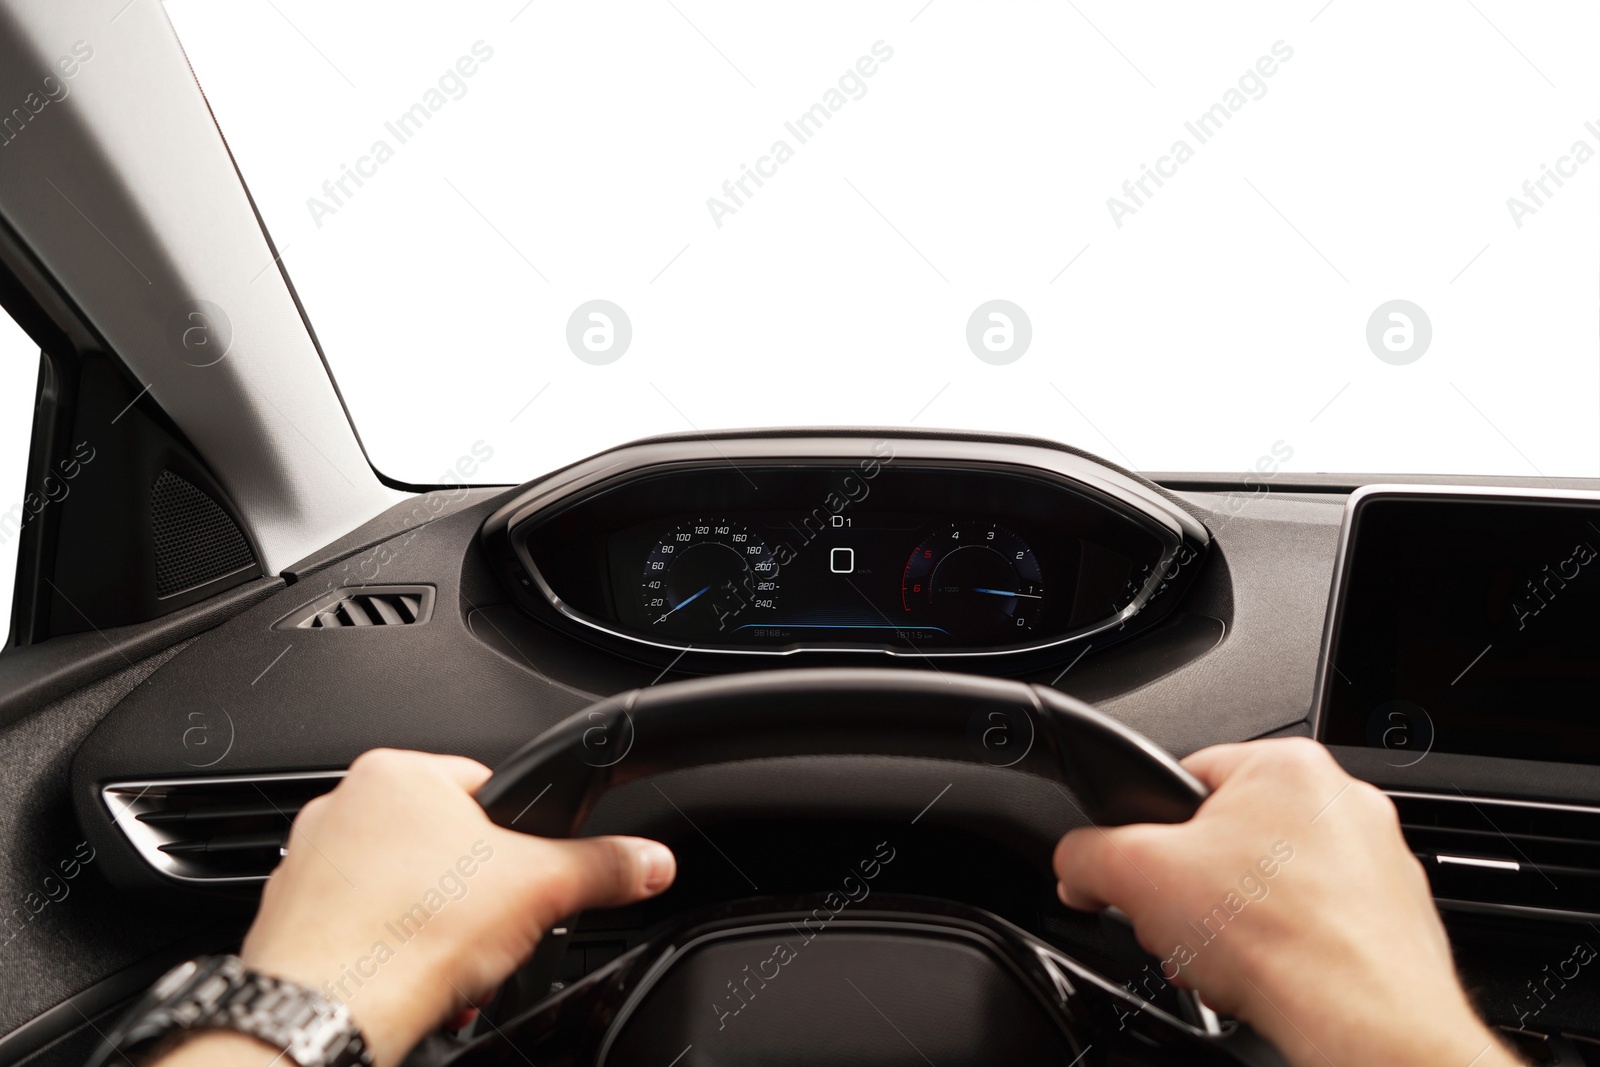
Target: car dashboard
{"x":470,"y":621}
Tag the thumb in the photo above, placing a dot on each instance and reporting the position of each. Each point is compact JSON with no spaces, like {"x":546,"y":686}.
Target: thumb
{"x":606,"y":872}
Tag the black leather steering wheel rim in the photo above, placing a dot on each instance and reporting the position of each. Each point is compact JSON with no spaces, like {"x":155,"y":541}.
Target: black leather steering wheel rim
{"x":551,"y":785}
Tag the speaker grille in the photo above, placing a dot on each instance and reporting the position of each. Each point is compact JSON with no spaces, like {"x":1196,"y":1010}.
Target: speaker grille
{"x":195,"y":540}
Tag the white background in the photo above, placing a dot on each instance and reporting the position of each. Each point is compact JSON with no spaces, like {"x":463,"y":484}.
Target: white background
{"x":19,"y":375}
{"x":1224,"y":317}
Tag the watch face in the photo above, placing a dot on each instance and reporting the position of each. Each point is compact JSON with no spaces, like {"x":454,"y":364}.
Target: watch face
{"x":173,"y":980}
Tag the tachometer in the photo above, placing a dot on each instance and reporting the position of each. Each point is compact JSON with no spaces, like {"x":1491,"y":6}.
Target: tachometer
{"x":708,"y":577}
{"x":977,"y":580}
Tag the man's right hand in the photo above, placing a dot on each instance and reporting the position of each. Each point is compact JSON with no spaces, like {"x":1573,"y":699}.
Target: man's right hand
{"x":1290,"y":901}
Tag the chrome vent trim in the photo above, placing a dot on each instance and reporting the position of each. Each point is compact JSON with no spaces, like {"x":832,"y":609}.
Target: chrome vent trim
{"x":226,"y":830}
{"x":1502,"y":856}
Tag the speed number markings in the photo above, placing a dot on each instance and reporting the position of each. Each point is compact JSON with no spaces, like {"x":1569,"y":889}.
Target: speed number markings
{"x":708,"y":576}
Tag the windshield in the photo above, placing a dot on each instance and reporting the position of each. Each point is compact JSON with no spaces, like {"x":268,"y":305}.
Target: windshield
{"x":1333,"y":236}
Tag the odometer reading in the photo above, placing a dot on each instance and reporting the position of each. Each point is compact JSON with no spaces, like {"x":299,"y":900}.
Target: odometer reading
{"x":708,"y":577}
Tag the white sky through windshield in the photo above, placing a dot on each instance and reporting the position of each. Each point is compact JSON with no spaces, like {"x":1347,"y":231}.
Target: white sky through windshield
{"x":1346,"y":236}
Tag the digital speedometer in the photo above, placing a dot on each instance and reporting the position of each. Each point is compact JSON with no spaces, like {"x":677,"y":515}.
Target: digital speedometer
{"x":976,"y":580}
{"x":910,"y":559}
{"x":708,"y":577}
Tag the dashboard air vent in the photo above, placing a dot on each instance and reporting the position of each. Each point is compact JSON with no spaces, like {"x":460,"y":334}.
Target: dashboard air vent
{"x":218,"y":830}
{"x":392,"y":605}
{"x":1500,"y":854}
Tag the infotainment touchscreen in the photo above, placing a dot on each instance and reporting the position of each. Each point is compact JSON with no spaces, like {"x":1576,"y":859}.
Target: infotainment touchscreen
{"x":1467,"y":623}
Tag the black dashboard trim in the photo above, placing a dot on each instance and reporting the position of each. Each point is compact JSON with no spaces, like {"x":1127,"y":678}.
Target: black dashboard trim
{"x":1176,"y":528}
{"x":114,"y":990}
{"x":33,"y":676}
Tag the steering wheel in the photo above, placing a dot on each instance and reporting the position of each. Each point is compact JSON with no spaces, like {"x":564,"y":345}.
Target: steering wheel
{"x":775,"y":981}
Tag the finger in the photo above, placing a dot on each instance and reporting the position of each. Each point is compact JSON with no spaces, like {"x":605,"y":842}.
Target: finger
{"x":400,"y":765}
{"x":1217,"y":764}
{"x":469,"y":774}
{"x":312,"y":811}
{"x":606,"y":872}
{"x":1100,"y":866}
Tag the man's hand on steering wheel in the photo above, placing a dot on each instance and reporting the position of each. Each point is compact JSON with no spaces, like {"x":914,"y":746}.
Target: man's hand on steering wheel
{"x":403,"y":830}
{"x":1290,"y":901}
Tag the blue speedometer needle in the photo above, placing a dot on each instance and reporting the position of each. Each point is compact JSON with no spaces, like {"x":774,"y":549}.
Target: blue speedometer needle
{"x":681,"y":605}
{"x":1007,"y":592}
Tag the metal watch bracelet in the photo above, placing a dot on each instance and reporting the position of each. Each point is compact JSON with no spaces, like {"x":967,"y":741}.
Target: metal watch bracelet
{"x":221,"y":993}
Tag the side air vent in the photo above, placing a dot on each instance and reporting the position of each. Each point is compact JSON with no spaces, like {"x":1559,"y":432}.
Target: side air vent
{"x":389,"y":605}
{"x":216,"y":830}
{"x":195,"y":540}
{"x":1503,"y":853}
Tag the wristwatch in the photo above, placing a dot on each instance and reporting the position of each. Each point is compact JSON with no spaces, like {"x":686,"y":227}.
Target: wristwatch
{"x":221,"y":993}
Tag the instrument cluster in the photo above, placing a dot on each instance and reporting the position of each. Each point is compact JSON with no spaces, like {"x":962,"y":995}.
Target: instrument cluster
{"x":915,"y":579}
{"x":872,"y":549}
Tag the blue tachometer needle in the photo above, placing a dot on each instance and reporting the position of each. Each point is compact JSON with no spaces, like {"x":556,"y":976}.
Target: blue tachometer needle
{"x":1007,"y":592}
{"x":682,"y":604}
